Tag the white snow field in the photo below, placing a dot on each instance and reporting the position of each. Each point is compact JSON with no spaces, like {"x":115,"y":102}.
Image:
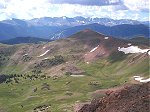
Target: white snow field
{"x":141,"y":79}
{"x":133,"y":49}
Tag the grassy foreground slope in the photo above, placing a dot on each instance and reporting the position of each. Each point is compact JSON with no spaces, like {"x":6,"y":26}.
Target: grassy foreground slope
{"x":67,"y":74}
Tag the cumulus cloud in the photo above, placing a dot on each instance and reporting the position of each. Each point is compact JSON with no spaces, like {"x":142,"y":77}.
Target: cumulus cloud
{"x":116,"y":9}
{"x":137,"y":4}
{"x":24,"y":8}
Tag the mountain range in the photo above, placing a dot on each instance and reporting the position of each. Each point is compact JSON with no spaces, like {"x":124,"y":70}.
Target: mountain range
{"x":75,"y":21}
{"x":61,"y":27}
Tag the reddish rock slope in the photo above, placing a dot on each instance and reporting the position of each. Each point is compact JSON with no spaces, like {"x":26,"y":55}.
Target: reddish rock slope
{"x":135,"y":98}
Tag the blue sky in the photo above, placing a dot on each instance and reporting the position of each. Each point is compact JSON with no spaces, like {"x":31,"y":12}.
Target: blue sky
{"x":116,"y":9}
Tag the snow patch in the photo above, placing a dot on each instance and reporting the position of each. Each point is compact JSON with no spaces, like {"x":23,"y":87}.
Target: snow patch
{"x":129,"y":44}
{"x":64,"y":17}
{"x":106,"y":38}
{"x":133,"y":49}
{"x":77,"y":75}
{"x":141,"y":79}
{"x":44,"y":53}
{"x":44,"y":47}
{"x":94,"y":49}
{"x":25,"y":54}
{"x":58,"y":35}
{"x":45,"y":58}
{"x":87,"y":62}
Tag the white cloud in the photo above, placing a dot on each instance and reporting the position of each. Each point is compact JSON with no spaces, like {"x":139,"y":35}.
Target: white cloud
{"x":23,"y":8}
{"x":137,"y":4}
{"x":28,"y":9}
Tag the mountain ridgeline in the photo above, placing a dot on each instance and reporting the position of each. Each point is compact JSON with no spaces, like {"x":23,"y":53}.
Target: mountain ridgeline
{"x":125,"y":31}
{"x":62,"y":27}
{"x":21,"y":40}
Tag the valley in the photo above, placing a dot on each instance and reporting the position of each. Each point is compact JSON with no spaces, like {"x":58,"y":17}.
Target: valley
{"x":58,"y":75}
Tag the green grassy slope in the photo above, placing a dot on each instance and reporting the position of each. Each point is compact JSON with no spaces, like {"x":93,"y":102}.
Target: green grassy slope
{"x":26,"y":90}
{"x":62,"y":95}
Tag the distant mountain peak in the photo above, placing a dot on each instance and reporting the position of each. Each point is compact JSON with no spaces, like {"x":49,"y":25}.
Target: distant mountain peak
{"x":87,"y":30}
{"x":86,"y":34}
{"x":90,"y":31}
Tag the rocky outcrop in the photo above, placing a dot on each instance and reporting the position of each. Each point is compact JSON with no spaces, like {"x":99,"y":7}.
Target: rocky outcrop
{"x":133,"y":98}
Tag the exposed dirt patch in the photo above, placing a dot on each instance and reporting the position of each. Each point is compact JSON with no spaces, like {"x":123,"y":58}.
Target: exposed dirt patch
{"x":74,"y":70}
{"x":104,"y":92}
{"x":99,"y":52}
